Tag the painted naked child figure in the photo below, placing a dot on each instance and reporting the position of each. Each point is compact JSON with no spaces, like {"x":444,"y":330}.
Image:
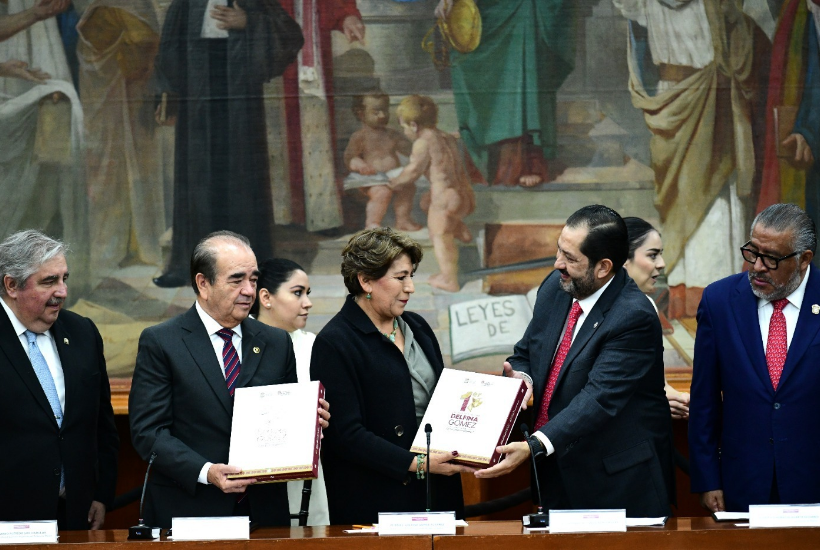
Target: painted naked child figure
{"x":373,"y":149}
{"x":436,"y":155}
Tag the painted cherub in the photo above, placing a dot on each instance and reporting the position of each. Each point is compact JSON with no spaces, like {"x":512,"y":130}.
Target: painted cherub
{"x":436,"y":155}
{"x":373,"y":149}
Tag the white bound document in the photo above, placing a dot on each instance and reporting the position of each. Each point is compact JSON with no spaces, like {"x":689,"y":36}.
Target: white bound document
{"x":471,"y":413}
{"x":276,"y":433}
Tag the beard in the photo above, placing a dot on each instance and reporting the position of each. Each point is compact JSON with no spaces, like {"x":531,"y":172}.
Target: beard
{"x":579,"y":287}
{"x":779,"y":291}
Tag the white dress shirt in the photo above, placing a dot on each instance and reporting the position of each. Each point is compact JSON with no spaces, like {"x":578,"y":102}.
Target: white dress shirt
{"x":586,"y":306}
{"x":212,"y":327}
{"x":791,"y":312}
{"x":209,"y":24}
{"x":47,"y":347}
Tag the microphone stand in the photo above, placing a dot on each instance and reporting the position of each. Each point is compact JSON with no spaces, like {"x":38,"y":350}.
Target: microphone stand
{"x":142,"y":531}
{"x":428,"y":429}
{"x":540,"y":518}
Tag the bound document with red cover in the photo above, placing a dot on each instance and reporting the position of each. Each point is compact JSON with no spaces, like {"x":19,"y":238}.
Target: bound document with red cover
{"x":276,"y":435}
{"x":471,"y":413}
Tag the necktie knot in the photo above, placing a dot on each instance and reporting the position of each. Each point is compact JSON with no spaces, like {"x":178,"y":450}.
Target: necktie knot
{"x":780,"y":304}
{"x":226,"y":334}
{"x":575,"y":311}
{"x":31,"y":336}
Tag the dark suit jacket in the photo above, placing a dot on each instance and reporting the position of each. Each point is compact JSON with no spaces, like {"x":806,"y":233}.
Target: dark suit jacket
{"x":736,"y":443}
{"x":609,"y":417}
{"x":366,"y":448}
{"x":181,"y":410}
{"x":34,"y":448}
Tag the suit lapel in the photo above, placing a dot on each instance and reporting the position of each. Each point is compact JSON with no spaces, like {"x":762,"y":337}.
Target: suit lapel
{"x":744,"y":308}
{"x":253,"y":348}
{"x":69,"y":361}
{"x":199,"y":345}
{"x":556,"y":312}
{"x":593,"y":320}
{"x":806,"y":330}
{"x":19,"y":361}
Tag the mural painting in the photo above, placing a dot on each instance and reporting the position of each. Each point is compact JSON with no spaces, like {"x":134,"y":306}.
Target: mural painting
{"x":132,"y":128}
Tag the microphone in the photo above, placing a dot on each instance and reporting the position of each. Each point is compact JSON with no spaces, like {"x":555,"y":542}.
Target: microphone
{"x":428,"y":429}
{"x":142,"y":531}
{"x":540,"y":518}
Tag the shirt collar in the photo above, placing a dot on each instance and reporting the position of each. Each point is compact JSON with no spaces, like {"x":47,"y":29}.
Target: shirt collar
{"x":589,"y":302}
{"x":795,"y":298}
{"x":210,"y":323}
{"x":19,"y":328}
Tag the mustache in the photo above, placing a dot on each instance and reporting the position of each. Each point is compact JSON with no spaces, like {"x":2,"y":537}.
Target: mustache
{"x":55,"y":301}
{"x":761,"y":276}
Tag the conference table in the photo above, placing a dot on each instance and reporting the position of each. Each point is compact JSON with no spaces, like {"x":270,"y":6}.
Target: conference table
{"x":678,"y":533}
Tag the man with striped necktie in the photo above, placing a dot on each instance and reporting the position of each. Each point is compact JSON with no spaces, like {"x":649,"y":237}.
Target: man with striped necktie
{"x":58,"y":434}
{"x":181,"y":401}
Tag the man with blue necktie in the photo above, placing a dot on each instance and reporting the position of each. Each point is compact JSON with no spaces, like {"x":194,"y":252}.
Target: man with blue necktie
{"x":58,"y":433}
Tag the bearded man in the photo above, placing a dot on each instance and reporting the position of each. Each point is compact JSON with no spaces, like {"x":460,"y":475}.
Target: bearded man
{"x":754,"y":432}
{"x":593,"y":355}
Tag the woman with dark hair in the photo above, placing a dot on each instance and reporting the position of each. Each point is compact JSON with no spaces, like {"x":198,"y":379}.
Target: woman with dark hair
{"x":380,"y":364}
{"x":282,"y":301}
{"x":644,"y":265}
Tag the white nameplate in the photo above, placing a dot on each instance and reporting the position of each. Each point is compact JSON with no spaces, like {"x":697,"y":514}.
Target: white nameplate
{"x":215,"y":528}
{"x":730,"y":516}
{"x":587,"y":521}
{"x":421,"y":523}
{"x":781,"y":515}
{"x":17,"y":532}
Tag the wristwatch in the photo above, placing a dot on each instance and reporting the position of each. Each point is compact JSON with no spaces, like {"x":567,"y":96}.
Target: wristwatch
{"x":537,"y":448}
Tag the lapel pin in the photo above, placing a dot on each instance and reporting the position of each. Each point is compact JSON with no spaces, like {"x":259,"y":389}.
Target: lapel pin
{"x":595,"y":325}
{"x":65,"y":340}
{"x":815,"y":309}
{"x":256,"y":350}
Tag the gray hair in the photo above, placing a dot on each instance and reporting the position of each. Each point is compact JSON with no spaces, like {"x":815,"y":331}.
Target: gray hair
{"x":203,"y":259}
{"x":790,"y":217}
{"x":24,"y":252}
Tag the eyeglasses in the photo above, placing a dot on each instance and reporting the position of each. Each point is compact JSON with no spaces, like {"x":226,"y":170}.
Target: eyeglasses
{"x":770,"y":262}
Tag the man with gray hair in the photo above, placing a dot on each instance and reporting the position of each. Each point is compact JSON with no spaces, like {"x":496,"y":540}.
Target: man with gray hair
{"x":58,"y":433}
{"x":754,"y":431}
{"x":181,"y":401}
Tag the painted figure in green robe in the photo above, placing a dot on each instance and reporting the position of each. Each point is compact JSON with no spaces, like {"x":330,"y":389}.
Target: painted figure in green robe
{"x":505,"y":90}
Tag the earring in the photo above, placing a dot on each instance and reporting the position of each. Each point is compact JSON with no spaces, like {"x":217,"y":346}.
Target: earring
{"x":368,"y":296}
{"x":267,"y":306}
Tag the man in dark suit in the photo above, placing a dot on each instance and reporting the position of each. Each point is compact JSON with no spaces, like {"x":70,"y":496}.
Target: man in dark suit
{"x":59,"y":439}
{"x":593,"y":356}
{"x":181,"y":402}
{"x":754,"y":431}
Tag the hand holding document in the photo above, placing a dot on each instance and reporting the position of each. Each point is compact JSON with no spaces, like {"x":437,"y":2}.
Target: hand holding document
{"x":471,"y":413}
{"x":276,"y":433}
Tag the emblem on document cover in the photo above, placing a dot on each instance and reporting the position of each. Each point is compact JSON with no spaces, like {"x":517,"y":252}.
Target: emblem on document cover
{"x":815,"y":309}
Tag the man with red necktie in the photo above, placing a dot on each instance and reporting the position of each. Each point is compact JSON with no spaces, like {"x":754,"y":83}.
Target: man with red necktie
{"x":181,"y":400}
{"x":593,"y":357}
{"x":754,"y":431}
